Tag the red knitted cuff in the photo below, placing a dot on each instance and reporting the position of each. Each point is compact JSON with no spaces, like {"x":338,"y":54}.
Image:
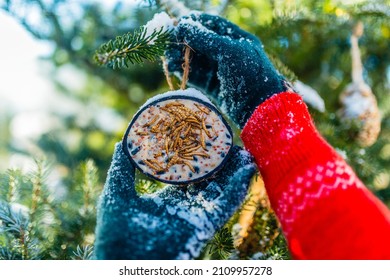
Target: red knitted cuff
{"x":324,"y":209}
{"x":281,"y":135}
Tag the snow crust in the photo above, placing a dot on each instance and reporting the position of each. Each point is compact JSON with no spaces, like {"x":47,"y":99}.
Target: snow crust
{"x":376,"y":7}
{"x":191,"y":92}
{"x":197,"y":24}
{"x":310,"y":96}
{"x":177,"y":8}
{"x":355,"y":102}
{"x":342,"y":153}
{"x":161,"y":21}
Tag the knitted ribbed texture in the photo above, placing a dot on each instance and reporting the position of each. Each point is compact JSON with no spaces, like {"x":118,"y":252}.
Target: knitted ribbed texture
{"x":325,"y":210}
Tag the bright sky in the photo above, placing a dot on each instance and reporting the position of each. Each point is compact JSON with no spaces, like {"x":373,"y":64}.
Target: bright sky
{"x":23,"y":85}
{"x":27,"y":93}
{"x":24,"y":90}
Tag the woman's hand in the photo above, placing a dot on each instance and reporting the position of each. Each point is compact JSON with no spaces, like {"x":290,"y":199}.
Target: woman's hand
{"x":173,"y":223}
{"x":228,"y":64}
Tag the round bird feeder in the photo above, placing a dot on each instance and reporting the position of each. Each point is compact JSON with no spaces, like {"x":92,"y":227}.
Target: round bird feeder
{"x":178,"y":137}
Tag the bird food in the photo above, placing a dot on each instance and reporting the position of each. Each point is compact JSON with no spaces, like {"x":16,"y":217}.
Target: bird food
{"x":178,"y":137}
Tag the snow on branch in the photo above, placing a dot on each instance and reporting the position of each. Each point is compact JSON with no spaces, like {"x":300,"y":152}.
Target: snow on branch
{"x":148,"y":42}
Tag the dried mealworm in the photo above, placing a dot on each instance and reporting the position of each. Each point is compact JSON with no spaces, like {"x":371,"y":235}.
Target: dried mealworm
{"x":167,"y":139}
{"x":186,"y":157}
{"x":187,"y":131}
{"x":202,"y":109}
{"x":196,"y":125}
{"x":155,"y":162}
{"x":151,"y":122}
{"x":189,"y":165}
{"x":175,"y":142}
{"x":205,"y":129}
{"x":171,"y":144}
{"x":177,"y":129}
{"x":180,"y":142}
{"x":187,"y":150}
{"x":198,"y":154}
{"x":142,"y":133}
{"x":174,"y":103}
{"x":215,"y":133}
{"x":150,"y":165}
{"x":202,"y":142}
{"x":172,"y":161}
{"x":155,"y":128}
{"x":187,"y":141}
{"x":192,"y":119}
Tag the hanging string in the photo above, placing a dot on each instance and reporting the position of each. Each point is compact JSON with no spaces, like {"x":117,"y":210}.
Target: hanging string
{"x":186,"y":67}
{"x":357,"y":67}
{"x":166,"y":73}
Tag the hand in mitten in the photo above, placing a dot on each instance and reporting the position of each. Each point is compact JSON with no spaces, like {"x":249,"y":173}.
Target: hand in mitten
{"x":173,"y":223}
{"x":229,"y":64}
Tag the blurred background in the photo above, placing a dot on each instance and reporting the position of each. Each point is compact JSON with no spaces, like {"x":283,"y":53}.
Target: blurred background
{"x":61,"y":114}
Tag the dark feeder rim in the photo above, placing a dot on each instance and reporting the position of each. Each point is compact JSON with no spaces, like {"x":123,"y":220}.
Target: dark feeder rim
{"x":197,"y":180}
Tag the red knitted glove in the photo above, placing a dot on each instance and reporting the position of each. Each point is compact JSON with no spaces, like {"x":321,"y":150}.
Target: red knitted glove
{"x":325,"y":210}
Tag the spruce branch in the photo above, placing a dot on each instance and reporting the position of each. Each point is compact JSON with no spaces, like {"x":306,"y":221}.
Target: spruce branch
{"x":143,"y":186}
{"x":278,"y":251}
{"x":282,"y":68}
{"x":83,"y":253}
{"x":88,"y":183}
{"x":13,"y":222}
{"x":12,"y":185}
{"x":38,"y":178}
{"x":133,"y":48}
{"x":16,"y":224}
{"x":221,"y":246}
{"x":8,"y":254}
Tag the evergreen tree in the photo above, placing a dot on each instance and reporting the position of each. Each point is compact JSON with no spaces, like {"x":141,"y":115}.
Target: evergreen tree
{"x":309,"y":40}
